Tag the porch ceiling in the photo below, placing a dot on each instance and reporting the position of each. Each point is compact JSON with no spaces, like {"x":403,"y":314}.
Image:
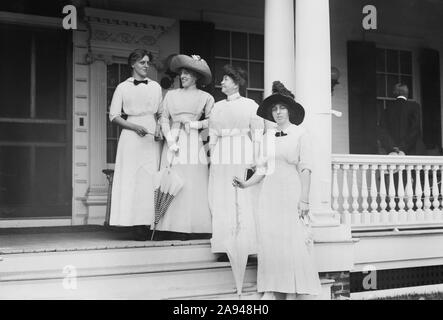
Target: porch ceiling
{"x":185,"y":9}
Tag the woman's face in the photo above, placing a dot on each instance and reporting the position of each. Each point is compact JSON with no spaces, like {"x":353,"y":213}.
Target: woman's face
{"x":280,"y":114}
{"x":188,"y":78}
{"x":140,"y":67}
{"x":228,"y":86}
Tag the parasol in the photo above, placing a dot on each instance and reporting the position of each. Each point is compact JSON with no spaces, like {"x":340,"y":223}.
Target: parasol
{"x":167,"y":185}
{"x":237,"y":249}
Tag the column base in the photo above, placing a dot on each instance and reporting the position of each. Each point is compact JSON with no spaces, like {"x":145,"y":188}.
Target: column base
{"x":326,"y":227}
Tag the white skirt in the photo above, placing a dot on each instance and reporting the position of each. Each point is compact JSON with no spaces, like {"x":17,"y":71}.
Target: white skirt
{"x":232,"y":155}
{"x":137,"y":161}
{"x":189,"y":210}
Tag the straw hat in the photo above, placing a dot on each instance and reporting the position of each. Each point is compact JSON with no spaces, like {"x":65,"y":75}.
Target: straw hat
{"x":194,"y":63}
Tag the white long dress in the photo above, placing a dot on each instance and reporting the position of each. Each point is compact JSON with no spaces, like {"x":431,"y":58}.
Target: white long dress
{"x":189,"y":211}
{"x":138,"y":158}
{"x":234,"y":126}
{"x":285,"y":260}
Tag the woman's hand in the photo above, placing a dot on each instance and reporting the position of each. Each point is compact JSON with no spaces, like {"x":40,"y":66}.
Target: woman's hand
{"x":303,"y":209}
{"x":237,"y":182}
{"x":186,"y":126}
{"x":140,"y":130}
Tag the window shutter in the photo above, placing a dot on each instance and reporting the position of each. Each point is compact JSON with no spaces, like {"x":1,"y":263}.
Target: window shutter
{"x":197,"y":37}
{"x":430,"y":97}
{"x":362,"y":97}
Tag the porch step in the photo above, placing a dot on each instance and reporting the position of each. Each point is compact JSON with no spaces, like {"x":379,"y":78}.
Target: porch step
{"x":250,"y":293}
{"x":179,"y":271}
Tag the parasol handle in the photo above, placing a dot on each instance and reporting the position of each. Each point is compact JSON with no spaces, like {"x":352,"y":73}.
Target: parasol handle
{"x":237,"y":222}
{"x":173,"y":154}
{"x":153,"y":232}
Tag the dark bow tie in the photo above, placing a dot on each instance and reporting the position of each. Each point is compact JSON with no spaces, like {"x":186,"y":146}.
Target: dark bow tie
{"x":280,"y":134}
{"x":137,"y":82}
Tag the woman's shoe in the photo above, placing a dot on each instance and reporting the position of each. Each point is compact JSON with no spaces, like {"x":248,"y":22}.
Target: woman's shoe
{"x":268,"y":296}
{"x":291,"y":296}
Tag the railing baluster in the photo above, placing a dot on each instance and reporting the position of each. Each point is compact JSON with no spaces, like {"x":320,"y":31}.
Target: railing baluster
{"x":441,"y":187}
{"x":427,"y":194}
{"x":356,"y":219}
{"x":387,"y":192}
{"x":409,"y":192}
{"x":345,"y":194}
{"x":418,"y":194}
{"x":335,"y":190}
{"x":374,"y":194}
{"x":401,"y":194}
{"x":383,"y":204}
{"x":392,"y":204}
{"x":435,"y":192}
{"x":364,"y":195}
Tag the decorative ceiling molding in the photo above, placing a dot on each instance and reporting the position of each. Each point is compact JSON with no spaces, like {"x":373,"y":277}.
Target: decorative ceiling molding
{"x":121,"y":32}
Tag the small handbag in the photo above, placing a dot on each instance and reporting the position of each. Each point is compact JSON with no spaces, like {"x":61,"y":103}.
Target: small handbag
{"x":158,"y":135}
{"x":249,"y":173}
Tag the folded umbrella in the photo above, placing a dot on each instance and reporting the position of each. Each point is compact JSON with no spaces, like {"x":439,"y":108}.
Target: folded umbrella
{"x":167,"y":184}
{"x":237,"y":249}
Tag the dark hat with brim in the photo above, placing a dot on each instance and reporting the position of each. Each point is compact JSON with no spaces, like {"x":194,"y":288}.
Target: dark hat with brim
{"x":296,"y":110}
{"x":195,"y":64}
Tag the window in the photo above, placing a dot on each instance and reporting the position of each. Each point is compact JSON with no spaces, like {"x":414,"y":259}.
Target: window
{"x":116,"y":73}
{"x":245,"y":50}
{"x":392,"y":66}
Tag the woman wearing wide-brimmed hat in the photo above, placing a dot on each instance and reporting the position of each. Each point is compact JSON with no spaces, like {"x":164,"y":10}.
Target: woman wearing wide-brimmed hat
{"x":235,"y":133}
{"x":285,"y":261}
{"x":183,"y":110}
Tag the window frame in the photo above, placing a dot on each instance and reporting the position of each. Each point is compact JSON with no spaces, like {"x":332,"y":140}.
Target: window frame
{"x":415,"y":74}
{"x":232,"y":59}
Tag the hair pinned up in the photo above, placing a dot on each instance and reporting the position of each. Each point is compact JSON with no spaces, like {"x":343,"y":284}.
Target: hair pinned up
{"x":237,"y":74}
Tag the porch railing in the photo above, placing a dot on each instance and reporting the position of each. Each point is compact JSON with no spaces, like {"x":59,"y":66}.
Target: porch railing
{"x":387,"y":191}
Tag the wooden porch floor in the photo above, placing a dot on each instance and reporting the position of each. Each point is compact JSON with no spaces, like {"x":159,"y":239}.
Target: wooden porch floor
{"x":54,"y":239}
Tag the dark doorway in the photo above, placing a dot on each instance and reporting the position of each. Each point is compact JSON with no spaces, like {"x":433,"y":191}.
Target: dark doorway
{"x":35,"y":123}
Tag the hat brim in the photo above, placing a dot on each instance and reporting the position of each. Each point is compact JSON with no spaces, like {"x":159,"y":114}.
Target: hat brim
{"x":200,"y":66}
{"x":296,"y":110}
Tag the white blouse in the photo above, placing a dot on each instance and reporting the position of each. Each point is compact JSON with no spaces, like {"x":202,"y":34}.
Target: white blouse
{"x":180,"y":105}
{"x":294,"y":148}
{"x":235,"y":115}
{"x":137,"y":100}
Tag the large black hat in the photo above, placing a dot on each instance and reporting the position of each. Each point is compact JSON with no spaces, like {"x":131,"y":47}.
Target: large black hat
{"x":283,"y":96}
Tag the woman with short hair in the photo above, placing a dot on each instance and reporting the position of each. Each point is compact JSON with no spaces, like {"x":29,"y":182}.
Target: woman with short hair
{"x":138,"y":154}
{"x":285,"y":261}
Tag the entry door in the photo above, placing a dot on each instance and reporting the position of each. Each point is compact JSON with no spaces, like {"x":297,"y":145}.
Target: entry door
{"x":35,"y":124}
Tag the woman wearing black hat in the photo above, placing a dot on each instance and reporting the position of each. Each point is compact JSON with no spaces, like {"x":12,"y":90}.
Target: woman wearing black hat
{"x":235,"y":133}
{"x":285,"y":263}
{"x":182,"y":110}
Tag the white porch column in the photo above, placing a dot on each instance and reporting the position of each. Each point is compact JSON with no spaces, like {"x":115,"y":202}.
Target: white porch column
{"x":279,"y":44}
{"x":313,"y":91}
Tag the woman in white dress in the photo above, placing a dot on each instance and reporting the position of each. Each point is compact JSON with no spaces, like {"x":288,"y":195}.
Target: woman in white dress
{"x":138,"y":154}
{"x":235,"y":133}
{"x":188,"y":216}
{"x":285,"y":261}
